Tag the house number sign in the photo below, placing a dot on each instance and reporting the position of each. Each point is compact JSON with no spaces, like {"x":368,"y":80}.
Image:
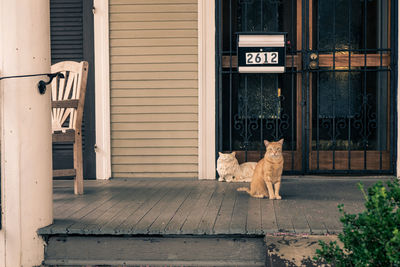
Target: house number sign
{"x":261,"y":53}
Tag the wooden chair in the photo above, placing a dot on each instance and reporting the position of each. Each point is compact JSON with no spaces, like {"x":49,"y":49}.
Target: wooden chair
{"x":68,"y":98}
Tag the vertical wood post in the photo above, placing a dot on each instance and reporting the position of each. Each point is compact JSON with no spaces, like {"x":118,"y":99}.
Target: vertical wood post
{"x":26,"y":131}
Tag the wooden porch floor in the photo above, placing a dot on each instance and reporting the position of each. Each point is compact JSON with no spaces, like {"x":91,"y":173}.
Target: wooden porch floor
{"x":192,"y":207}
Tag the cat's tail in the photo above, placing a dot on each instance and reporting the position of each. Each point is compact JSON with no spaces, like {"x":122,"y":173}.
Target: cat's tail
{"x":245,"y":189}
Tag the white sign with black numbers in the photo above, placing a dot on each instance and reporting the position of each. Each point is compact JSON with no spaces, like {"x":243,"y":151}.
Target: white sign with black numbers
{"x":262,"y":58}
{"x":261,"y":53}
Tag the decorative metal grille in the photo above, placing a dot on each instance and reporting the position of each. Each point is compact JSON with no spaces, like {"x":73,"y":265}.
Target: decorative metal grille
{"x":333,"y":105}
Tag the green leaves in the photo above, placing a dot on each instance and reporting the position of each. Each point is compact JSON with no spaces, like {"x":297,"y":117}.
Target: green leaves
{"x":370,"y":238}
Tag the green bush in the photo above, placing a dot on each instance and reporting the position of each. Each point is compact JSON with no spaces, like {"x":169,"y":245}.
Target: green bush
{"x":371,"y":238}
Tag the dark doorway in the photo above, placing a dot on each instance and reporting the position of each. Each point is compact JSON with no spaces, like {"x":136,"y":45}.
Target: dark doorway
{"x":71,"y":23}
{"x":333,"y":105}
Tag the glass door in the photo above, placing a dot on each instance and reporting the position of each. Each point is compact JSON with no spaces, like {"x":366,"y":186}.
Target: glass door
{"x":349,"y":86}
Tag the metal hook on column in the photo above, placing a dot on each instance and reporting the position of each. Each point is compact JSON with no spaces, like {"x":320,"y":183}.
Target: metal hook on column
{"x":42,"y":84}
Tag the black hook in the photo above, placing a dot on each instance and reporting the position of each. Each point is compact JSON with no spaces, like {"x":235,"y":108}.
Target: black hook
{"x":42,"y":84}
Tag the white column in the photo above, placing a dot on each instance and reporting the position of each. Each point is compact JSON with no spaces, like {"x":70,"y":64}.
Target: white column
{"x":206,"y":57}
{"x":26,"y":131}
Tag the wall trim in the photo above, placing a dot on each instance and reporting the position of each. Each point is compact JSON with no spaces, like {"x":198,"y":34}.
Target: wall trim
{"x":102,"y":89}
{"x":206,"y":76}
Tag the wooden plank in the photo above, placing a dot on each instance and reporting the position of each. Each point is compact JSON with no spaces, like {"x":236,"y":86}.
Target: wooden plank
{"x":151,"y":25}
{"x":190,"y":142}
{"x":149,"y":51}
{"x":176,"y":151}
{"x":129,"y":225}
{"x":155,"y":251}
{"x":144,"y":224}
{"x":154,"y":41}
{"x":184,"y":117}
{"x":155,"y":92}
{"x":193,"y":220}
{"x":140,"y":34}
{"x":283,"y":211}
{"x":153,"y":59}
{"x":177,"y":167}
{"x":356,"y":160}
{"x":150,"y":67}
{"x":357,"y":60}
{"x":80,"y":207}
{"x":224,"y":215}
{"x":153,"y":159}
{"x":268,"y":218}
{"x":254,"y":222}
{"x":140,"y":195}
{"x":124,"y":135}
{"x":155,"y":84}
{"x":199,"y":191}
{"x":140,"y":2}
{"x":67,"y":137}
{"x":154,"y":109}
{"x":64,"y":172}
{"x":152,"y":101}
{"x":70,"y":103}
{"x":207,"y":222}
{"x":90,"y":223}
{"x":150,"y":8}
{"x":239,"y":215}
{"x":151,"y":126}
{"x":170,"y":208}
{"x":173,"y":175}
{"x":144,"y":76}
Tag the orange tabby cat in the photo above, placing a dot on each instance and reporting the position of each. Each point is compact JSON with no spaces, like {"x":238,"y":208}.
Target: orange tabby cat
{"x":268,"y":173}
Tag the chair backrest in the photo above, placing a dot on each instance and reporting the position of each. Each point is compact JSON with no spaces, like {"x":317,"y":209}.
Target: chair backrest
{"x":68,"y":95}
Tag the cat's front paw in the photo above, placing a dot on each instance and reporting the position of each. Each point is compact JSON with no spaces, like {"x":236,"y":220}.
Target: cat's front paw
{"x":271,"y":197}
{"x":221,"y":179}
{"x":278,"y":197}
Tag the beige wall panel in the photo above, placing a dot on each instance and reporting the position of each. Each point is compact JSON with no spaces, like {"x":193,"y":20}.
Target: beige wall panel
{"x":151,"y":25}
{"x":154,"y":88}
{"x":155,"y":135}
{"x":162,"y":101}
{"x":154,"y":67}
{"x":132,"y":76}
{"x":141,"y":2}
{"x":156,"y":33}
{"x":158,"y":151}
{"x":154,"y":17}
{"x":154,"y":59}
{"x":145,"y":51}
{"x":150,"y":8}
{"x":153,"y":42}
{"x":149,"y":126}
{"x":154,"y":143}
{"x":153,"y":109}
{"x":172,"y":117}
{"x":153,"y":159}
{"x":155,"y":174}
{"x":155,"y":168}
{"x":154,"y":92}
{"x":154,"y":84}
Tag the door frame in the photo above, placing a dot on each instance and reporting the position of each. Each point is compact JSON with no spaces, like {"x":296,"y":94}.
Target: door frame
{"x":394,"y":116}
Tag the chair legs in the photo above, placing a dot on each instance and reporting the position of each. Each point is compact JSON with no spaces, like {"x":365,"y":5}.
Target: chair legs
{"x":78,"y":164}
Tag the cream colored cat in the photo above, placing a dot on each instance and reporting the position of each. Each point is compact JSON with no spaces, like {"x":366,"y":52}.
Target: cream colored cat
{"x":229,"y":169}
{"x":268,"y":173}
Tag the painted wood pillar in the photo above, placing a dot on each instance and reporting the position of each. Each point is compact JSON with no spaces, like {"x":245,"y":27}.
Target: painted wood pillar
{"x":26,"y":178}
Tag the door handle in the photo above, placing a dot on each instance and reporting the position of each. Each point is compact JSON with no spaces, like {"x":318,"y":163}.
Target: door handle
{"x":313,"y":64}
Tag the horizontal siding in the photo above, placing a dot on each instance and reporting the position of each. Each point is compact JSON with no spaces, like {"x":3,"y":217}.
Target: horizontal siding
{"x":154,"y":88}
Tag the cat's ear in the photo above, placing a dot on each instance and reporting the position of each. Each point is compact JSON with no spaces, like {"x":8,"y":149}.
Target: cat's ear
{"x":280,"y":141}
{"x":219,"y":153}
{"x":233,"y":153}
{"x":266,"y":143}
